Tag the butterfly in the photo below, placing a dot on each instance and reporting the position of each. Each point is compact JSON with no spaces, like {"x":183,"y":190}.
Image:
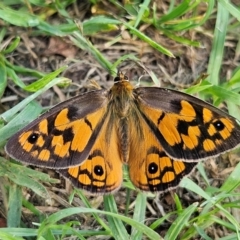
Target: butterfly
{"x":160,"y":134}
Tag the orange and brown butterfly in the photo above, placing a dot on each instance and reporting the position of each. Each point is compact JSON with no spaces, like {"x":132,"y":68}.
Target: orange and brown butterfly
{"x":160,"y":134}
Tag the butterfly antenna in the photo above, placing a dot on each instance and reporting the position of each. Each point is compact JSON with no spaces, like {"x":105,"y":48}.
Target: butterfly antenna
{"x":139,"y":79}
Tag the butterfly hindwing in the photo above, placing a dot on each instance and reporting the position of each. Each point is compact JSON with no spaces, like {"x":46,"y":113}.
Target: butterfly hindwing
{"x":63,"y":136}
{"x":188,"y":128}
{"x":150,"y":168}
{"x":102,"y":171}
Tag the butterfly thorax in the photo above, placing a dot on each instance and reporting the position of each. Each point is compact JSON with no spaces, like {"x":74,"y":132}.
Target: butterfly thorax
{"x":121,"y":97}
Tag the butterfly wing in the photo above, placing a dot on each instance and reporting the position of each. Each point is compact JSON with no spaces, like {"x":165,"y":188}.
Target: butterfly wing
{"x":187,"y":128}
{"x":64,"y":135}
{"x":150,"y":168}
{"x":101,"y":173}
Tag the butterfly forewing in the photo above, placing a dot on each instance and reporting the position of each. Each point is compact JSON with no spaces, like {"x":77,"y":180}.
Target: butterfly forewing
{"x":63,"y":136}
{"x":187,"y":128}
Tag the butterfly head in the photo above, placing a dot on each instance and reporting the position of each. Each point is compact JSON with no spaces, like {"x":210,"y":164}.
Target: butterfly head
{"x":120,"y":77}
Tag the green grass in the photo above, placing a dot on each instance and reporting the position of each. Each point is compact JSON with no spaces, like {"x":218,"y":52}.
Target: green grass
{"x":217,"y":204}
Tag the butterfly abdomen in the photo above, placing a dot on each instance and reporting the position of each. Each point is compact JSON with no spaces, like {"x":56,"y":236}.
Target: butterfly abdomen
{"x":123,"y":133}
